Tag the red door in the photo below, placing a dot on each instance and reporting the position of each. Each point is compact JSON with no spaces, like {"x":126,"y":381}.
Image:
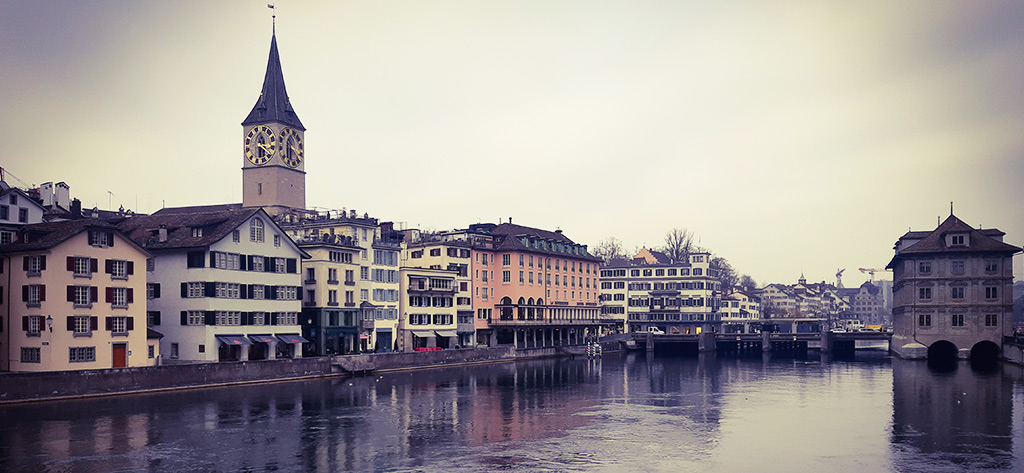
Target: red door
{"x":120,"y":355}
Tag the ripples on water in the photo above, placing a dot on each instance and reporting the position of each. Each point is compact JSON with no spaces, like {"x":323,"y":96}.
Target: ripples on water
{"x":620,"y":413}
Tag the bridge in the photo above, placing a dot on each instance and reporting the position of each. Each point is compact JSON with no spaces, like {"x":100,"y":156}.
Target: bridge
{"x":766,"y":341}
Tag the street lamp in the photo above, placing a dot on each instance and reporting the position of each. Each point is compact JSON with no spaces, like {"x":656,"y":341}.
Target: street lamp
{"x":49,"y":322}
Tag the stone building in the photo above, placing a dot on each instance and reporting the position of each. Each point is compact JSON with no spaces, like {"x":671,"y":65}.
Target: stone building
{"x":952,"y":292}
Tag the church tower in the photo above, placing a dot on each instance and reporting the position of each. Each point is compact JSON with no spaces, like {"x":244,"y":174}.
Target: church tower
{"x":273,"y":160}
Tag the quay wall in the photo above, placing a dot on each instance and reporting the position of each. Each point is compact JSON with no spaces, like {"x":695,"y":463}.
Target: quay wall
{"x":53,"y":385}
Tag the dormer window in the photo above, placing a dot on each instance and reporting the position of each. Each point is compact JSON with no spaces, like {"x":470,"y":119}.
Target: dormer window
{"x":957,"y":240}
{"x":197,"y":232}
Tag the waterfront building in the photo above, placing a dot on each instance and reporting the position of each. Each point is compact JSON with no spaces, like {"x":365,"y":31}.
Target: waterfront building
{"x":650,"y":292}
{"x":867,"y":304}
{"x":428,"y":315}
{"x":224,"y":283}
{"x":98,"y":323}
{"x":330,"y":312}
{"x":952,"y":291}
{"x":376,"y":287}
{"x":812,"y":302}
{"x":435,"y":251}
{"x":739,"y":311}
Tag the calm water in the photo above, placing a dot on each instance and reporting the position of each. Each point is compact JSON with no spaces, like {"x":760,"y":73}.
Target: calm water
{"x":620,"y":413}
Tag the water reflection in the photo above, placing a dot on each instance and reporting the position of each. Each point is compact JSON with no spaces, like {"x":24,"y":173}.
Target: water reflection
{"x":957,"y":416}
{"x":620,"y":413}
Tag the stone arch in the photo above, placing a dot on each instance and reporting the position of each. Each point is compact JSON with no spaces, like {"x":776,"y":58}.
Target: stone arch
{"x":985,"y":353}
{"x":942,"y":351}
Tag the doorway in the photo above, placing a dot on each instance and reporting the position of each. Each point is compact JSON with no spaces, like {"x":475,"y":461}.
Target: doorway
{"x":120,"y":355}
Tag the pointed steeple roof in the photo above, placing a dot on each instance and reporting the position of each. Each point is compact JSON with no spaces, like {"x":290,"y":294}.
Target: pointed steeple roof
{"x":273,"y":104}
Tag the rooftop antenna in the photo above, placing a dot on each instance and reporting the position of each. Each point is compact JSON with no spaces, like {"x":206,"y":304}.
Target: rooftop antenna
{"x":951,"y":207}
{"x":109,"y":195}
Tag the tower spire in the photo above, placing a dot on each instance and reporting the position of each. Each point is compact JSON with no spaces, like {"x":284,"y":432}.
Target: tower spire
{"x":273,"y":104}
{"x":273,"y":18}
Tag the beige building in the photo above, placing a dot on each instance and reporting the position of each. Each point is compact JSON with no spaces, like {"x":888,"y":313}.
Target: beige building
{"x":75,"y":299}
{"x":428,"y":312}
{"x":952,"y":292}
{"x":434,"y":251}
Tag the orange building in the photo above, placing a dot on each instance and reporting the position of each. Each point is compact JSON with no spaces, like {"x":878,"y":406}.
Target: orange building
{"x":532,"y":287}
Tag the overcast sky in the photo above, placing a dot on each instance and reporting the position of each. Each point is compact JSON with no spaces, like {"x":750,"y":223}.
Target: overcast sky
{"x":792,"y":137}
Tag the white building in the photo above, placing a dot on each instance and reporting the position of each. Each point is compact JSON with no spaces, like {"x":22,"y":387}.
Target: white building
{"x":224,"y":283}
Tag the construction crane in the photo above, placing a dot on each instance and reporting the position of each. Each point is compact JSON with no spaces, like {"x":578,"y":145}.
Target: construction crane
{"x":839,"y":277}
{"x":872,"y":271}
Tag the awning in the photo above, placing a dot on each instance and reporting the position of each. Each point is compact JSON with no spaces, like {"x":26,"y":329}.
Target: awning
{"x":364,"y":336}
{"x":423,"y":333}
{"x":446,"y":333}
{"x":233,"y":339}
{"x":291,"y":338}
{"x":263,"y":338}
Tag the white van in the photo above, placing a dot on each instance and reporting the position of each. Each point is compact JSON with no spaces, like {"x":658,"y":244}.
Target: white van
{"x":655,"y":330}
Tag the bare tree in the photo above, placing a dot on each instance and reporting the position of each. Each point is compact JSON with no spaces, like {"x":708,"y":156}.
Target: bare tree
{"x":726,"y":274}
{"x":608,"y":249}
{"x":679,"y":245}
{"x":747,"y":283}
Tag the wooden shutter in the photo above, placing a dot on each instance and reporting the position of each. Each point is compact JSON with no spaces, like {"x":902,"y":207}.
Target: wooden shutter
{"x":211,"y":317}
{"x":131,"y":267}
{"x":131,"y":295}
{"x":42,"y":293}
{"x":42,"y":263}
{"x":94,"y":294}
{"x":184,"y":317}
{"x":71,"y":323}
{"x":110,"y":239}
{"x":242,"y":260}
{"x":71,"y":263}
{"x":292,"y":265}
{"x":94,"y":323}
{"x":24,"y":263}
{"x":156,"y":290}
{"x":109,"y":321}
{"x":108,"y":266}
{"x":24,"y":293}
{"x":243,"y":291}
{"x":184,"y":290}
{"x":110,"y":294}
{"x":210,"y":289}
{"x":131,"y":323}
{"x":71,"y":293}
{"x":213,"y":259}
{"x":156,"y":317}
{"x":24,"y":322}
{"x":273,"y":318}
{"x":268,"y":264}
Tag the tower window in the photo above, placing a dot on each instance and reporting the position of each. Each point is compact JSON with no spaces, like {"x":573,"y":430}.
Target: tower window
{"x":256,"y":230}
{"x":259,"y":188}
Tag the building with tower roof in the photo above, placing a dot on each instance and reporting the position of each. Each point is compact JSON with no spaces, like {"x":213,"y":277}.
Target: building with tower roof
{"x":952,"y":292}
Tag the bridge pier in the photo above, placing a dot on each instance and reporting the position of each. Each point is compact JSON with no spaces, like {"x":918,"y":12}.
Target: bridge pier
{"x":766,"y":341}
{"x":650,"y":342}
{"x":827,"y":340}
{"x":706,"y":341}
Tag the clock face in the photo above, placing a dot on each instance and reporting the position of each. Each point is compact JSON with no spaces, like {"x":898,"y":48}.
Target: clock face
{"x":291,"y":147}
{"x":260,"y":144}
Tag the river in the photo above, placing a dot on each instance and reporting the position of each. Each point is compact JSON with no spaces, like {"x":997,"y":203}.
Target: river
{"x":621,"y":412}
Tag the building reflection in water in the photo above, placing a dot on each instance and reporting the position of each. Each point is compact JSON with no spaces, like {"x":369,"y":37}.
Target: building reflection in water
{"x":952,"y":418}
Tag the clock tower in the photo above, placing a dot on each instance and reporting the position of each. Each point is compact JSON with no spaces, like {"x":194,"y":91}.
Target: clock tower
{"x":273,"y":157}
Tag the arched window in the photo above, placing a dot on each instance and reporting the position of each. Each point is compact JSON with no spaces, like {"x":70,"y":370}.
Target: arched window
{"x":256,"y":230}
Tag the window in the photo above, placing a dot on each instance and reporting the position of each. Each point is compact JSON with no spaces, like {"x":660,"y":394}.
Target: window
{"x":228,"y":290}
{"x":80,"y":325}
{"x":956,"y":267}
{"x":991,"y":320}
{"x":435,"y":252}
{"x":522,"y":259}
{"x":228,"y":317}
{"x":256,"y":230}
{"x":30,"y":354}
{"x":957,"y":320}
{"x":280,"y":265}
{"x":957,"y":292}
{"x":34,"y":294}
{"x":258,"y":291}
{"x":310,"y":275}
{"x":34,"y":264}
{"x":957,"y":240}
{"x":924,"y":293}
{"x":924,"y":320}
{"x":81,"y":354}
{"x":81,"y":296}
{"x":506,"y":277}
{"x":4,"y":212}
{"x":364,"y":273}
{"x":364,"y":294}
{"x":991,"y":292}
{"x":991,"y":266}
{"x":118,"y":268}
{"x":33,"y":324}
{"x":235,"y":236}
{"x":924,"y":267}
{"x":521,"y":278}
{"x":152,"y":351}
{"x":288,"y":318}
{"x":259,"y":318}
{"x":119,"y":296}
{"x":221,"y":260}
{"x":197,"y":232}
{"x":6,"y":237}
{"x":153,"y":317}
{"x":257,"y":264}
{"x":506,"y":259}
{"x":174,"y":350}
{"x":82,"y":267}
{"x":101,"y":239}
{"x":194,"y":317}
{"x":117,"y":324}
{"x":277,"y":240}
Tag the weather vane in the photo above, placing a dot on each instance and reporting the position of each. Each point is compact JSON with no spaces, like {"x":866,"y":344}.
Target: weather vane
{"x":273,"y":17}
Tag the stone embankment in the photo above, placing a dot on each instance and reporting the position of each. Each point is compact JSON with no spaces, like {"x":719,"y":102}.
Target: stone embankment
{"x":55,"y":385}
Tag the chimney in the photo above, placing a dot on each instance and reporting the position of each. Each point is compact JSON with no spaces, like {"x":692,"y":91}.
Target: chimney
{"x":161,"y":235}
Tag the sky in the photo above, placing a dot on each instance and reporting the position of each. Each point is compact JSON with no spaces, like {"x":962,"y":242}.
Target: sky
{"x":791,"y":137}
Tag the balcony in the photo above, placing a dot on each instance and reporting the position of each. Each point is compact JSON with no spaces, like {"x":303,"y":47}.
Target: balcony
{"x":367,"y":324}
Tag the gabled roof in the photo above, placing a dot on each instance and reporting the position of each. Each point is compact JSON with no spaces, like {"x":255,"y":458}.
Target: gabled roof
{"x":43,"y":236}
{"x":197,"y":208}
{"x":216,"y":225}
{"x":978,"y":240}
{"x":273,"y":104}
{"x":510,"y":233}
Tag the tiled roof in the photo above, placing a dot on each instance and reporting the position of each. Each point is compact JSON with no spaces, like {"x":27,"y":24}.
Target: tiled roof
{"x":42,"y":236}
{"x":273,"y":104}
{"x":979,"y":240}
{"x":510,"y":233}
{"x":197,"y":208}
{"x":216,"y":225}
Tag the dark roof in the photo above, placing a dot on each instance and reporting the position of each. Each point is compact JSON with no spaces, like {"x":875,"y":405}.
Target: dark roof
{"x":42,"y":236}
{"x":273,"y":104}
{"x":871,"y":288}
{"x":507,"y":230}
{"x":216,"y":225}
{"x":197,"y":208}
{"x":979,"y":240}
{"x":151,"y":334}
